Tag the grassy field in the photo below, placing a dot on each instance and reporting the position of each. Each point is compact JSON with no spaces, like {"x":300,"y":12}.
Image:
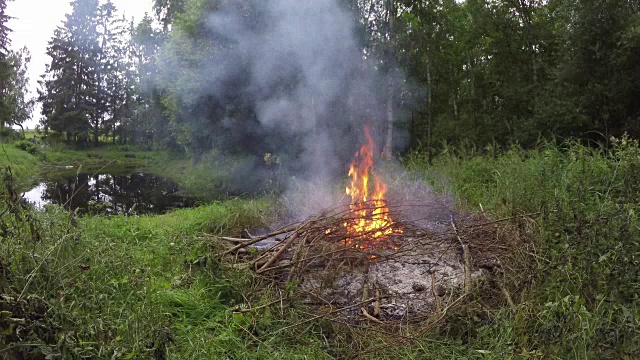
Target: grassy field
{"x":24,"y":166}
{"x":151,"y":287}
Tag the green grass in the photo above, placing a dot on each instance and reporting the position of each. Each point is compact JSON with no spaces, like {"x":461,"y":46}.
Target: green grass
{"x":150,"y":286}
{"x":582,"y":300}
{"x":122,"y":156}
{"x":25,"y":167}
{"x":144,"y":287}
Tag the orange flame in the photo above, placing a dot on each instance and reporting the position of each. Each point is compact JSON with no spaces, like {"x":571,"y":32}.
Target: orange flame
{"x":371,"y":220}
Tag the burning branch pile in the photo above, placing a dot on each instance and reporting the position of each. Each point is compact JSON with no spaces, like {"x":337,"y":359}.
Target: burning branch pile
{"x":367,"y":261}
{"x":415,"y":276}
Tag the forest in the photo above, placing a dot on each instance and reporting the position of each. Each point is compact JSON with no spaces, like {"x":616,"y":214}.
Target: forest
{"x":512,"y":124}
{"x":478,"y":72}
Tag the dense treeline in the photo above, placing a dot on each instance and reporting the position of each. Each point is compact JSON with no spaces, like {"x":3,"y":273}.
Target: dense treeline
{"x":479,"y":71}
{"x":513,"y":70}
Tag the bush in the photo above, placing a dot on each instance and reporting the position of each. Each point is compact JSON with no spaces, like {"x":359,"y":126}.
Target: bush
{"x":28,"y":146}
{"x":9,"y":134}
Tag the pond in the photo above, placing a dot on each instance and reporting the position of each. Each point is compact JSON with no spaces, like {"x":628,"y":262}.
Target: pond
{"x":134,"y":193}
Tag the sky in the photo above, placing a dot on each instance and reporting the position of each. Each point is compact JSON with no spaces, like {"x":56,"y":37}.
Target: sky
{"x":33,"y":25}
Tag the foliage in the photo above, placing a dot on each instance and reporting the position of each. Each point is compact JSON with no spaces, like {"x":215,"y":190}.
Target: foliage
{"x":512,"y":71}
{"x":86,"y":91}
{"x":15,"y":108}
{"x":9,"y":134}
{"x":28,"y":146}
{"x":582,"y":299}
{"x":489,"y":72}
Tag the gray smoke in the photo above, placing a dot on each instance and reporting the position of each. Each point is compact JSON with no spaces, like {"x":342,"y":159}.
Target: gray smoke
{"x":297,"y":69}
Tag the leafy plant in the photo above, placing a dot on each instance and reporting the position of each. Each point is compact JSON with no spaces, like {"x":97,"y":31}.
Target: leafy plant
{"x":28,"y":146}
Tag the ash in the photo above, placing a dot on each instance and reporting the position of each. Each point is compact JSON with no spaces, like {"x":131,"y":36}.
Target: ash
{"x":409,"y":286}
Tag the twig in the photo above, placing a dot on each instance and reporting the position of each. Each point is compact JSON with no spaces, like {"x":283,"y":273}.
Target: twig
{"x":234,"y":240}
{"x":258,"y":263}
{"x":327,"y":314}
{"x":259,"y":238}
{"x":467,"y":259}
{"x":365,"y":313}
{"x":296,"y":257}
{"x":237,"y":309}
{"x":277,"y":255}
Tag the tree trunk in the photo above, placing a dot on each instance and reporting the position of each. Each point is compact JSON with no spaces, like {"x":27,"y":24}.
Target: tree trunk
{"x":388,"y":145}
{"x":22,"y":131}
{"x":429,"y":111}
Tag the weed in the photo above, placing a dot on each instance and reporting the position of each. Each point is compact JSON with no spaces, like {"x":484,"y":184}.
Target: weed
{"x":583,"y":300}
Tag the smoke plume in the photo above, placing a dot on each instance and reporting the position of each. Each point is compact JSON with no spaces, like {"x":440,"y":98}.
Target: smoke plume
{"x":284,"y":77}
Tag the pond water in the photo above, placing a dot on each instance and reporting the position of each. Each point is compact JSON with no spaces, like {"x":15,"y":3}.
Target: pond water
{"x":137,"y":193}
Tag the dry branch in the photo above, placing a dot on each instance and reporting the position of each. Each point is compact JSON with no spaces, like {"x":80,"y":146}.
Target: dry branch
{"x":277,"y":255}
{"x":234,"y":240}
{"x":467,"y":259}
{"x":260,"y":238}
{"x":365,"y":302}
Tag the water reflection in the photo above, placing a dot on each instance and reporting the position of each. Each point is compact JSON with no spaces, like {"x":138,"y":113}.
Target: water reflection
{"x":137,"y":193}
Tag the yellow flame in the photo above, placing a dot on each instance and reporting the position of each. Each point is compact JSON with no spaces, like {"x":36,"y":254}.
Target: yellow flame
{"x":371,"y":219}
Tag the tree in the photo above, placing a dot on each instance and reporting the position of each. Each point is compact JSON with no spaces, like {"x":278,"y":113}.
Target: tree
{"x":112,"y":65}
{"x":166,"y":11}
{"x":17,"y":95}
{"x":7,"y":69}
{"x":151,"y":120}
{"x":86,"y":89}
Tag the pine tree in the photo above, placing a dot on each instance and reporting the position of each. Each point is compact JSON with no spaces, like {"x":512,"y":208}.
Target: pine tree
{"x":112,"y":62}
{"x":56,"y":85}
{"x":83,"y":90}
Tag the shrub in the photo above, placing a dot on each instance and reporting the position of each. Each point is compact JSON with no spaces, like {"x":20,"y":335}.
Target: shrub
{"x":9,"y":134}
{"x":27,"y":146}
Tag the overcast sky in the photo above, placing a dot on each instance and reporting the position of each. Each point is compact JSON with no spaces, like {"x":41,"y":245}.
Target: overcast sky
{"x":35,"y":21}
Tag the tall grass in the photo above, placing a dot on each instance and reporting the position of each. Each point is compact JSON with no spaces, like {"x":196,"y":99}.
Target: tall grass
{"x":24,"y":166}
{"x":136,"y":287}
{"x":583,"y":299}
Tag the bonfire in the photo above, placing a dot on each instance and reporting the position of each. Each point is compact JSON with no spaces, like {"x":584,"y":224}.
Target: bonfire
{"x":370,"y":260}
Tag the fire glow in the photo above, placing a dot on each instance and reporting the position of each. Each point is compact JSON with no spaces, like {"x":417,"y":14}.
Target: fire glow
{"x":370,"y":223}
